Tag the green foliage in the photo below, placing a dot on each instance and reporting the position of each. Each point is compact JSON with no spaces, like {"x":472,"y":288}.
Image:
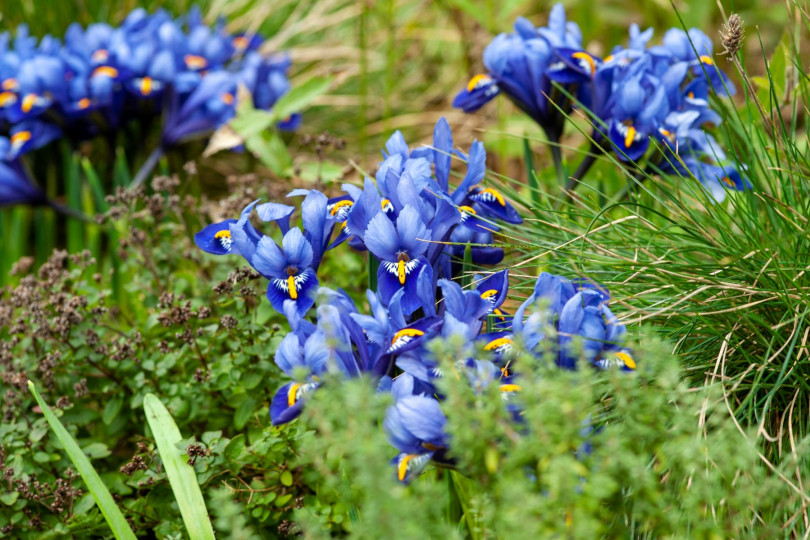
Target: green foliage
{"x":186,"y":328}
{"x":115,"y":519}
{"x":146,"y":313}
{"x":181,"y":477}
{"x":726,"y":282}
{"x":665,"y":461}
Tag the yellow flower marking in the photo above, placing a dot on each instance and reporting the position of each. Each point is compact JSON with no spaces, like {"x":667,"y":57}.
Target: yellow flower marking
{"x":291,"y":286}
{"x":627,"y":359}
{"x":495,"y":343}
{"x":475,"y":81}
{"x":292,"y":394}
{"x":402,"y":468}
{"x":195,"y":62}
{"x":412,"y":332}
{"x":340,"y":204}
{"x":588,"y":58}
{"x":146,"y":86}
{"x":631,"y":135}
{"x":28,"y":102}
{"x":20,"y":137}
{"x":494,"y":193}
{"x":106,"y":71}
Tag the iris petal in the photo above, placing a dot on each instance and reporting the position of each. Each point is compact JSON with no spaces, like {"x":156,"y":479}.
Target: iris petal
{"x":306,"y":283}
{"x":216,"y":238}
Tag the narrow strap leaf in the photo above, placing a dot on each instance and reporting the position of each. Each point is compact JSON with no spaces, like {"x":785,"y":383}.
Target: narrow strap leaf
{"x":181,"y":475}
{"x":115,"y":519}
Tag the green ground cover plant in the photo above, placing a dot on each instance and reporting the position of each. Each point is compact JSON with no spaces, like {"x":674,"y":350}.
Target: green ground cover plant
{"x":230,"y":396}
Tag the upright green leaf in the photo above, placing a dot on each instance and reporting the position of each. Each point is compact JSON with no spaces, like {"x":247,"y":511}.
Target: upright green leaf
{"x":181,"y":475}
{"x":300,"y":97}
{"x":115,"y":519}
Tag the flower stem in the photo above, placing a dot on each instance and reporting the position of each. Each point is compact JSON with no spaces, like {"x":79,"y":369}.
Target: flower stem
{"x":69,"y":212}
{"x":585,"y":165}
{"x":147,"y":166}
{"x":556,"y":155}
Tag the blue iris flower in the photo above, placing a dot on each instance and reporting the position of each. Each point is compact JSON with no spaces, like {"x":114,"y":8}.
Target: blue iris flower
{"x":289,"y":270}
{"x":400,"y":248}
{"x":520,"y":65}
{"x":494,"y":288}
{"x":230,"y":236}
{"x":30,"y":135}
{"x":578,"y":311}
{"x":99,"y":78}
{"x":696,"y":48}
{"x":15,"y":185}
{"x":307,"y":356}
{"x":415,"y":426}
{"x":586,"y":315}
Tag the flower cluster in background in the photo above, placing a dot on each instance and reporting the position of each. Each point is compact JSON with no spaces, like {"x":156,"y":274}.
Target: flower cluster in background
{"x":647,"y":104}
{"x":102,"y":79}
{"x":409,"y":220}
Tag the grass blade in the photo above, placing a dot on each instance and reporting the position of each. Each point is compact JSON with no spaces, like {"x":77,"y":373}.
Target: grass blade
{"x":115,"y":519}
{"x":181,"y":475}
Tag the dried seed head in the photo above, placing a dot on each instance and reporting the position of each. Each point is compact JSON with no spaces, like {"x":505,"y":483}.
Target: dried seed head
{"x":732,"y":36}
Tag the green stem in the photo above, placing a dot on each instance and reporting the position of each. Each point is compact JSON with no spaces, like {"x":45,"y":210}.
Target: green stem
{"x":556,"y":156}
{"x":373,"y":265}
{"x":147,"y":166}
{"x":534,"y":185}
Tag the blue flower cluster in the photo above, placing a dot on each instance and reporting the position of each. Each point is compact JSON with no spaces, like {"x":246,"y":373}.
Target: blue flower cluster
{"x":645,"y":101}
{"x":408,"y":218}
{"x":98,"y":79}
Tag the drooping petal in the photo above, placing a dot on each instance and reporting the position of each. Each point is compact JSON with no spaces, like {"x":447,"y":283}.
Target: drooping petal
{"x":411,"y":336}
{"x":496,"y":205}
{"x":216,"y":238}
{"x":493,"y":287}
{"x":288,"y":401}
{"x":305,"y":285}
{"x":394,"y":276}
{"x":479,"y":91}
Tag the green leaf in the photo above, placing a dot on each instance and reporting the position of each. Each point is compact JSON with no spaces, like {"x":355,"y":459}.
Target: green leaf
{"x":243,"y":413}
{"x":286,"y":478}
{"x":111,"y":409}
{"x":9,"y":498}
{"x":249,"y":122}
{"x":115,"y":519}
{"x":300,"y":97}
{"x":270,"y":149}
{"x":464,"y":490}
{"x":84,"y":505}
{"x":96,"y":450}
{"x":235,"y":447}
{"x":325,"y":171}
{"x":181,"y":475}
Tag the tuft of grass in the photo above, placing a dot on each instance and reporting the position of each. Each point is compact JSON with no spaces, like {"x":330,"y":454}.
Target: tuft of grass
{"x":726,"y":283}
